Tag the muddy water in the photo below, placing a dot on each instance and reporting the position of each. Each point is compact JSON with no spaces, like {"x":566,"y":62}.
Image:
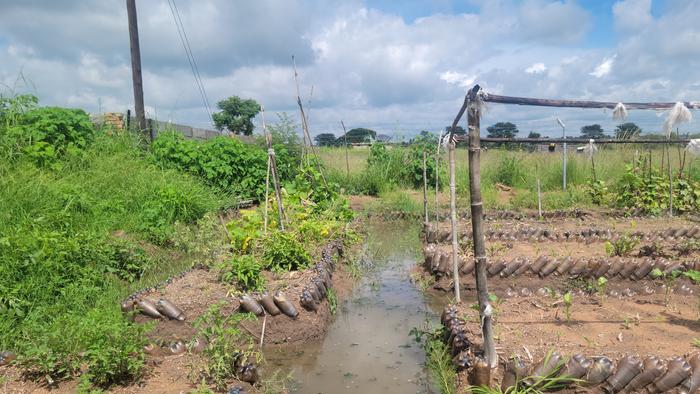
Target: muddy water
{"x":368,"y":348}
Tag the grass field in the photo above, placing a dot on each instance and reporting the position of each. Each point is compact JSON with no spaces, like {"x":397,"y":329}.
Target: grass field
{"x":520,"y":169}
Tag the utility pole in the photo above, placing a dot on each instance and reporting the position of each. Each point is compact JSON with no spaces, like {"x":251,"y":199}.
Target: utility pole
{"x":136,"y":66}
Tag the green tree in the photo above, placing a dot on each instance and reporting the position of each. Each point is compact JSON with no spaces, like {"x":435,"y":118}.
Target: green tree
{"x":236,"y":115}
{"x":593,"y":131}
{"x":534,"y":134}
{"x":459,"y":130}
{"x":325,"y":139}
{"x":627,"y":131}
{"x":359,"y":135}
{"x":502,"y":130}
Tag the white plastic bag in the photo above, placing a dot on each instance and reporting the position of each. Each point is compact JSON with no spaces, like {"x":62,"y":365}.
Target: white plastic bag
{"x":694,"y":147}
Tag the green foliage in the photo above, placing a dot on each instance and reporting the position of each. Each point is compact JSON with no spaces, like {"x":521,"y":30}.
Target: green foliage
{"x":332,"y":300}
{"x":509,"y":171}
{"x":282,"y":252}
{"x":669,"y":279}
{"x":236,"y":115}
{"x":71,"y":243}
{"x":623,"y":246}
{"x":568,"y":302}
{"x":650,"y":192}
{"x":226,"y":163}
{"x":223,"y":338}
{"x":358,"y":135}
{"x":287,"y":145}
{"x":438,"y":358}
{"x":598,"y":191}
{"x":244,"y":270}
{"x":48,"y":133}
{"x":325,"y":139}
{"x":502,"y":130}
{"x":593,"y":131}
{"x":601,"y":284}
{"x":626,"y":131}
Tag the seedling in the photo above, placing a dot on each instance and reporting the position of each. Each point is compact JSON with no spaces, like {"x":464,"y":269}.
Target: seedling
{"x":694,"y":276}
{"x":669,"y":279}
{"x":695,"y":342}
{"x":623,"y":246}
{"x":568,"y":301}
{"x":601,"y":283}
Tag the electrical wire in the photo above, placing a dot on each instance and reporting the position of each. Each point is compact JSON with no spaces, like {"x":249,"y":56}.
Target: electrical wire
{"x":190,"y":56}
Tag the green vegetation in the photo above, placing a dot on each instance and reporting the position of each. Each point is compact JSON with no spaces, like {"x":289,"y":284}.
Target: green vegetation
{"x":438,"y":359}
{"x":79,"y":210}
{"x":245,"y":271}
{"x":236,"y":115}
{"x":568,"y":303}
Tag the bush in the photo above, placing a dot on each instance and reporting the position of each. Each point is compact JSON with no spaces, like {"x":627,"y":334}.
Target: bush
{"x":226,"y":163}
{"x":244,"y":270}
{"x":282,"y":252}
{"x":46,"y":134}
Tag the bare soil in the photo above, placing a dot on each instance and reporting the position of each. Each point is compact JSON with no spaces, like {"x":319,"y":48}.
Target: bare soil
{"x":630,"y":318}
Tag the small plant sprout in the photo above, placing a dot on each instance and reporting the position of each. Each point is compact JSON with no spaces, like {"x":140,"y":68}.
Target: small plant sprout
{"x":621,"y":247}
{"x":695,"y":342}
{"x":669,"y":279}
{"x":568,"y":301}
{"x":694,"y":276}
{"x":600,"y":285}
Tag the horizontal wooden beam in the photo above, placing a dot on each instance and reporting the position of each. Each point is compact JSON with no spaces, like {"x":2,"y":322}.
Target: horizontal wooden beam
{"x":494,"y":98}
{"x":574,"y":140}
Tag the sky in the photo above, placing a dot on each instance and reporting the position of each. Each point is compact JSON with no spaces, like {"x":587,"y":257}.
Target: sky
{"x":397,"y":67}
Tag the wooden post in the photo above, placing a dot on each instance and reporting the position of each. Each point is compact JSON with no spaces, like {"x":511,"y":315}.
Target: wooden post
{"x":670,"y":181}
{"x":273,"y":168}
{"x":136,"y":66}
{"x":437,"y":176}
{"x":539,"y":198}
{"x":345,"y":140}
{"x":453,"y":220}
{"x":267,"y":194}
{"x":485,"y":309}
{"x":425,"y":189}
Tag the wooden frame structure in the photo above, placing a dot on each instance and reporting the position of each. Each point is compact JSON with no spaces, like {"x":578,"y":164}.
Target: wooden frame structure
{"x":473,"y":107}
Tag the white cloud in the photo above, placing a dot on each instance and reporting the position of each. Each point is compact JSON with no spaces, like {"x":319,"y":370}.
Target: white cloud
{"x":604,"y":67}
{"x":455,"y":78}
{"x":536,"y":68}
{"x":632,"y":15}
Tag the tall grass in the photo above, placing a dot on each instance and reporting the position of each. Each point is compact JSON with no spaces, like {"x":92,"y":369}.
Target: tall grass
{"x":72,"y":240}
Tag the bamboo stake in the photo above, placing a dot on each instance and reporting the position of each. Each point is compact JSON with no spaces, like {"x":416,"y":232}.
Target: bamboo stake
{"x":345,"y":139}
{"x":670,"y":182}
{"x":453,"y":220}
{"x":305,"y":124}
{"x":477,"y":210}
{"x":539,"y":198}
{"x":425,"y":189}
{"x":437,"y":176}
{"x":273,"y":168}
{"x":267,"y":193}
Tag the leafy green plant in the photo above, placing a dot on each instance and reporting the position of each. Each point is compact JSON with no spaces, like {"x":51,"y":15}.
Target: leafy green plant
{"x":47,"y":133}
{"x":598,"y":191}
{"x":332,"y":300}
{"x":623,"y":246}
{"x":282,"y":252}
{"x":694,"y":276}
{"x":127,"y":260}
{"x":568,"y":302}
{"x":223,"y":338}
{"x":244,"y":270}
{"x":438,"y":358}
{"x":669,"y":279}
{"x":601,"y":284}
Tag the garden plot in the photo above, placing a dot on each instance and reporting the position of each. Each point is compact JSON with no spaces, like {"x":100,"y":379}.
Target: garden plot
{"x":598,"y":288}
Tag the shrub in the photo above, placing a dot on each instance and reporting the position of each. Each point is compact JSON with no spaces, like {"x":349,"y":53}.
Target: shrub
{"x":47,"y":133}
{"x":223,"y":162}
{"x":282,"y":252}
{"x":245,"y":270}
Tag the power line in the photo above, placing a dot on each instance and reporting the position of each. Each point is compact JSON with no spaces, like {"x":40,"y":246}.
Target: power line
{"x":190,"y":56}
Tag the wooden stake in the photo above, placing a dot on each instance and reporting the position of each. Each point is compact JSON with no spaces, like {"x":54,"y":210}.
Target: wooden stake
{"x":345,"y":139}
{"x":670,"y":182}
{"x":453,"y":220}
{"x":539,"y":198}
{"x":425,"y":189}
{"x":273,"y":168}
{"x":267,"y":193}
{"x":485,"y":309}
{"x":437,"y":176}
